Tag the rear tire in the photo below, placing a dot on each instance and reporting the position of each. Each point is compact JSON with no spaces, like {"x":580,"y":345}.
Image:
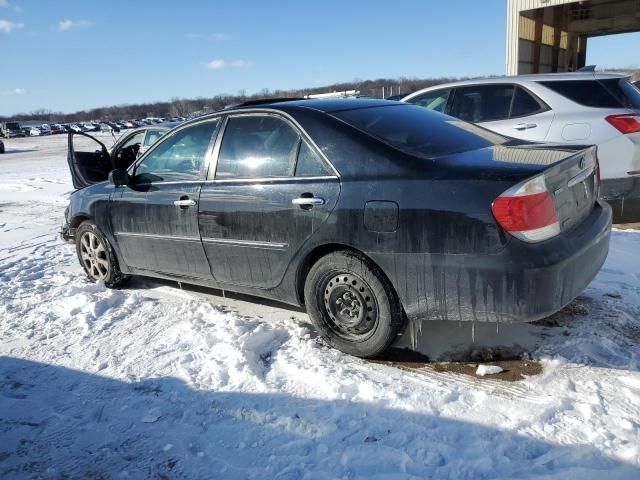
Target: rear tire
{"x":352,"y":304}
{"x":97,"y":257}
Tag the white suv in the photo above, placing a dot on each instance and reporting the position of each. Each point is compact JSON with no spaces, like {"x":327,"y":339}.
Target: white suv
{"x":573,"y":108}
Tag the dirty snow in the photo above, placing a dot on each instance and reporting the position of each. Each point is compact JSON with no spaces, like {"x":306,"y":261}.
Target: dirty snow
{"x":155,"y":381}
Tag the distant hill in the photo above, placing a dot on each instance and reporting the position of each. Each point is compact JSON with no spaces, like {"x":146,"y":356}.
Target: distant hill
{"x":183,"y":107}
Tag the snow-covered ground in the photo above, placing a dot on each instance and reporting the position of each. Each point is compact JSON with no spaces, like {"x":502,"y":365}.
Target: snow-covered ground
{"x":158,"y":382}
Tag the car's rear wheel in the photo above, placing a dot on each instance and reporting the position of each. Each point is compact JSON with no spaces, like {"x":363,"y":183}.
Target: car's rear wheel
{"x":352,"y":304}
{"x":96,"y":256}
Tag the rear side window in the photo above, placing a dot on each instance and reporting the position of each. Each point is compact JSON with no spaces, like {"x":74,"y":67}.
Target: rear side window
{"x":419,"y":131}
{"x":523,"y":104}
{"x":482,"y":103}
{"x":309,"y":164}
{"x":257,"y":146}
{"x":609,"y":93}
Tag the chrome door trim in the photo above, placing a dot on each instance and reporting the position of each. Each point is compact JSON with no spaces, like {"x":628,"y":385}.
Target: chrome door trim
{"x":158,"y":237}
{"x":271,"y":179}
{"x":246,"y":243}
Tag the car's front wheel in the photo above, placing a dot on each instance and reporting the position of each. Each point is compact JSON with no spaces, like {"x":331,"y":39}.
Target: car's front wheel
{"x":96,"y":256}
{"x":352,"y":304}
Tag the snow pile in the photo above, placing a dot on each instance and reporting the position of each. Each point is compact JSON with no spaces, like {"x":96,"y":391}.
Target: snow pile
{"x":157,"y":382}
{"x":483,"y":370}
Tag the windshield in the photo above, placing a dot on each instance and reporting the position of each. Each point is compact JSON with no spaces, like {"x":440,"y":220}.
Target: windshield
{"x":420,"y":131}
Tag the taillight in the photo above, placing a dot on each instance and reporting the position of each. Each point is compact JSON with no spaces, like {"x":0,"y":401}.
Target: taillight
{"x":527,"y":211}
{"x":626,"y":123}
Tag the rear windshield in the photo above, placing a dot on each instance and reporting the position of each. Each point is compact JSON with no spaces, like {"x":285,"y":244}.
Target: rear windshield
{"x":609,"y":93}
{"x":420,"y":131}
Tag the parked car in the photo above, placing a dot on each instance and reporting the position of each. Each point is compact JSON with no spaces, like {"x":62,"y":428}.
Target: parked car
{"x":367,"y":212}
{"x":13,"y":130}
{"x":1,"y":146}
{"x":571,"y":108}
{"x":57,"y":129}
{"x":44,"y":130}
{"x":31,"y":131}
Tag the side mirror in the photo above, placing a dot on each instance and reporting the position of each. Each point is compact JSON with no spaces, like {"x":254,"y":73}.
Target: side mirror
{"x":119,"y":177}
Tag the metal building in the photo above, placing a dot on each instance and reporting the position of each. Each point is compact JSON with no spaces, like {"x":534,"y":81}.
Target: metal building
{"x":552,"y":35}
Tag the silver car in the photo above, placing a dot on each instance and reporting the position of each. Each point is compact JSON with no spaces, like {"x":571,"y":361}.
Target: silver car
{"x":574,"y":108}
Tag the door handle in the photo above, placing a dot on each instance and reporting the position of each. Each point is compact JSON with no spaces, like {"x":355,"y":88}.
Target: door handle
{"x":524,"y":126}
{"x":308,"y":201}
{"x":184,"y":203}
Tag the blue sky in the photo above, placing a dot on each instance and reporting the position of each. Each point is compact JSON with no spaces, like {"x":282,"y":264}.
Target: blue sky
{"x":73,"y":54}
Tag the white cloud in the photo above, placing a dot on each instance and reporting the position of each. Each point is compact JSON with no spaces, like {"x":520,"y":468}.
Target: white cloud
{"x":68,"y":24}
{"x":239,"y":64}
{"x":216,"y":65}
{"x":6,"y":26}
{"x":6,"y":4}
{"x":220,"y":37}
{"x":220,"y":64}
{"x":15,"y":91}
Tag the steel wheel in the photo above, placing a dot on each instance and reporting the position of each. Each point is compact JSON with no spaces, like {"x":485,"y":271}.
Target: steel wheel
{"x":351,"y":306}
{"x":94,"y":256}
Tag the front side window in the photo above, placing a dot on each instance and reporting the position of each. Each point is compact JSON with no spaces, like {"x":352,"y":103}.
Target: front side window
{"x":178,"y":157}
{"x":436,"y":100}
{"x":152,"y":137}
{"x":482,"y":103}
{"x":256,"y":146}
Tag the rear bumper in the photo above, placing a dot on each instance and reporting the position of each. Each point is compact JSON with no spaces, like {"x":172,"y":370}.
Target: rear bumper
{"x":623,"y":194}
{"x":523,"y":283}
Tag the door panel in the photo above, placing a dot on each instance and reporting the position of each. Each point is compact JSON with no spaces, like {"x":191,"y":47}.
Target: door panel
{"x":251,"y":231}
{"x":271,"y":190}
{"x":88,"y":159}
{"x":507,"y":109}
{"x":533,"y":127}
{"x":155,"y":234}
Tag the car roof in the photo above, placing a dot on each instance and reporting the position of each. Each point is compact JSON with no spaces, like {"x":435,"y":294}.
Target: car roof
{"x":321,"y":105}
{"x":533,"y":77}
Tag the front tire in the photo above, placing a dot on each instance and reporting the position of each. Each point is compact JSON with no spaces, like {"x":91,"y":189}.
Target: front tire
{"x":97,"y":257}
{"x":352,"y":304}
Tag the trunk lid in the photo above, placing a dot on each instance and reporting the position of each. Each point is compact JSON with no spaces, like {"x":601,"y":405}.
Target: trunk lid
{"x":574,"y":187}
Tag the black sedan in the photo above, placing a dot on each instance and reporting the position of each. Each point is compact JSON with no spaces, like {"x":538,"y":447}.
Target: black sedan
{"x":367,"y":212}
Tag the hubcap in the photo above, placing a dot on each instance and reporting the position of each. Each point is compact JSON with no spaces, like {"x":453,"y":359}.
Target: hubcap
{"x":94,"y":256}
{"x":350,"y":305}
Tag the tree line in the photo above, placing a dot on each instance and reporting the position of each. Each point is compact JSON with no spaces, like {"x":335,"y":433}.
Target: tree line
{"x":183,"y":107}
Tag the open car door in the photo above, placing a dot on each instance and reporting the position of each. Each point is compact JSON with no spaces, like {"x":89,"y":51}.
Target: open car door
{"x":89,"y":160}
